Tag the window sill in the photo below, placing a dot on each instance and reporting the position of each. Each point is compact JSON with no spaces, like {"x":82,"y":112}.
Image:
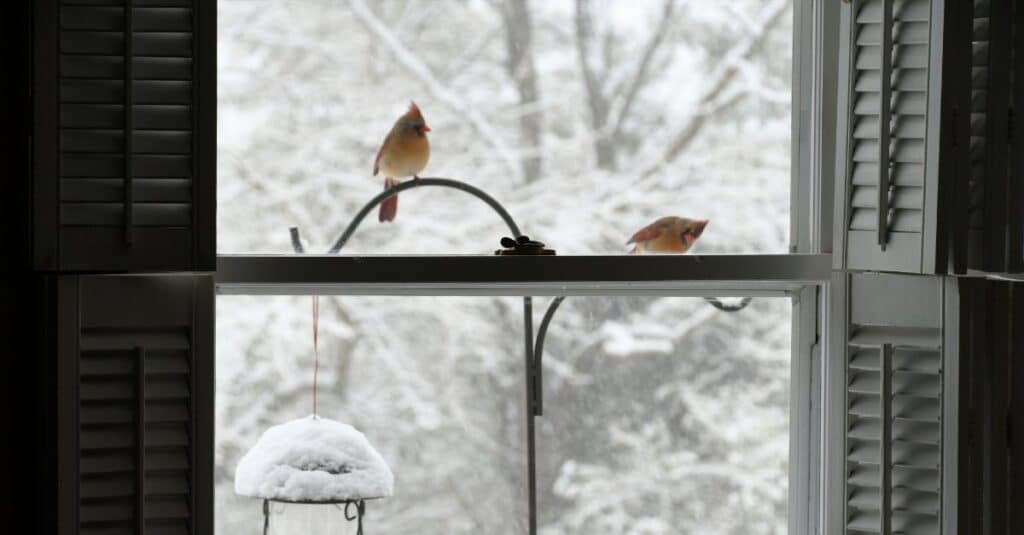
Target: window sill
{"x":697,"y":275}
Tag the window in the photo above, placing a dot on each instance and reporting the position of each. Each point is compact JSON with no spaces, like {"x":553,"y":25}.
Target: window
{"x":586,"y":121}
{"x":696,"y":120}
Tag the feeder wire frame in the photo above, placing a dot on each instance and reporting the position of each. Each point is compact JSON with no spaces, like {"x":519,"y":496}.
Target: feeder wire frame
{"x":360,"y":511}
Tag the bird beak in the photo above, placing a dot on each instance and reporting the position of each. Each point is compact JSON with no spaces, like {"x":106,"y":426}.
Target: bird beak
{"x":426,"y":129}
{"x":698,"y":228}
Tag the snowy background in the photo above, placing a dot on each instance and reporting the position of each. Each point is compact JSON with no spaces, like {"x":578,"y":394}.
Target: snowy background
{"x":588,"y":120}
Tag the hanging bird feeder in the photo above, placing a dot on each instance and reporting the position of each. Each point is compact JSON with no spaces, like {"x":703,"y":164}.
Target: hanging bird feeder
{"x":314,"y":461}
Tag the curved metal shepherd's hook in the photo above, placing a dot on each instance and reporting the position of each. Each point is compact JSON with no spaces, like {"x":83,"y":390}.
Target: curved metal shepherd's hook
{"x":534,"y":348}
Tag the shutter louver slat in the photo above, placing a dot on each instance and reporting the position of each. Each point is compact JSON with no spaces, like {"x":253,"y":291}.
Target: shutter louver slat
{"x":166,"y":508}
{"x":109,"y":486}
{"x":100,"y":214}
{"x":103,"y":462}
{"x":111,"y":68}
{"x":106,"y":412}
{"x":92,"y":18}
{"x":176,"y":190}
{"x":109,"y":511}
{"x":164,"y":44}
{"x":109,"y":141}
{"x":109,"y":530}
{"x":73,"y":43}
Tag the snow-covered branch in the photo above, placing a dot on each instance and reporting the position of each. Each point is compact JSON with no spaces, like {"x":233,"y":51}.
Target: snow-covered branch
{"x":640,"y":76}
{"x":728,"y":70}
{"x":408,"y":58}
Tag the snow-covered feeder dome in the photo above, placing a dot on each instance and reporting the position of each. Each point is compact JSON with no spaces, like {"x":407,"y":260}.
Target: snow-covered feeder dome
{"x":313,"y":460}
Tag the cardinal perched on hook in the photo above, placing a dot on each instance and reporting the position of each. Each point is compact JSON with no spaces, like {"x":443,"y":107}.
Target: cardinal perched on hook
{"x":669,"y":234}
{"x":405,"y":152}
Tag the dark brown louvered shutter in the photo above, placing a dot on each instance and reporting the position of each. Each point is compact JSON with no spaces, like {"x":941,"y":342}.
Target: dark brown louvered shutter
{"x":896,"y":80}
{"x":989,"y":375}
{"x":1015,"y":246}
{"x":1016,"y":421}
{"x":125,"y":137}
{"x":135,"y":383}
{"x":895,"y":404}
{"x":988,"y":179}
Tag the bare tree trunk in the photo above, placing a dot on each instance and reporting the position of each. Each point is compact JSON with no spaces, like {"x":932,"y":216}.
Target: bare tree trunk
{"x":604,"y":147}
{"x":608,"y":131}
{"x":520,"y":66}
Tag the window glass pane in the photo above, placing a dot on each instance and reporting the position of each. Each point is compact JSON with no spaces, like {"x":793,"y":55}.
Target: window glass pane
{"x":662,"y":415}
{"x":587,"y":120}
{"x":436,"y":384}
{"x":670,"y":417}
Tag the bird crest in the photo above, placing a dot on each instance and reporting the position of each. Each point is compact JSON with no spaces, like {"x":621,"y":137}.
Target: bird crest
{"x":414,"y":111}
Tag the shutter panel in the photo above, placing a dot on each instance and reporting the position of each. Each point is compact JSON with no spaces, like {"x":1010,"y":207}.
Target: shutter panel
{"x":125,"y":135}
{"x":989,"y":338}
{"x":1016,"y":422}
{"x":890,"y":95}
{"x":894,"y":404}
{"x":135,"y":365}
{"x":989,"y":128}
{"x":979,"y":93}
{"x":1016,"y":126}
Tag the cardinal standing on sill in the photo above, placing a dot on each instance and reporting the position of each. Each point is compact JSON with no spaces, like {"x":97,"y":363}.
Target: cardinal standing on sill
{"x":669,"y":234}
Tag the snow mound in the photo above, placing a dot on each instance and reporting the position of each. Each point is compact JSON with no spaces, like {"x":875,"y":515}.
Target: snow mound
{"x":316,"y":460}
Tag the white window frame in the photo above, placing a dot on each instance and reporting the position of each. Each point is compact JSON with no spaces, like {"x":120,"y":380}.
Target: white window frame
{"x":804,"y":275}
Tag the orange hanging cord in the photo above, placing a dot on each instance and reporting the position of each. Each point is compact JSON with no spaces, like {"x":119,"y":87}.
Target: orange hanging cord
{"x":316,"y":349}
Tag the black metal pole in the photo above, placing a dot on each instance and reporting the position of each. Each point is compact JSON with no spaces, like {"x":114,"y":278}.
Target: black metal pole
{"x":531,"y":412}
{"x":417,"y":183}
{"x":538,"y":354}
{"x":266,"y":516}
{"x":531,"y":372}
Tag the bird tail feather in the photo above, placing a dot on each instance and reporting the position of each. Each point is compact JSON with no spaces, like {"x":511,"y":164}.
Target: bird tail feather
{"x":389,"y":207}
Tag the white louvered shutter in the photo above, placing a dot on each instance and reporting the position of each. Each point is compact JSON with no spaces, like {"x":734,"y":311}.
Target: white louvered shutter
{"x":136,"y":373}
{"x":894,"y":404}
{"x":891,"y":84}
{"x":124,"y":151}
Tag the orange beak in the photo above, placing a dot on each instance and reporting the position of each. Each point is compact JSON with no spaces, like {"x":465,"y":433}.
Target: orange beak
{"x":698,"y":228}
{"x":426,"y":129}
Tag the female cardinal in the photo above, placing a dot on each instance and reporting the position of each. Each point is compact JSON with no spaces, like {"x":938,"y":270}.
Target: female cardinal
{"x":405,"y":152}
{"x":669,"y":234}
